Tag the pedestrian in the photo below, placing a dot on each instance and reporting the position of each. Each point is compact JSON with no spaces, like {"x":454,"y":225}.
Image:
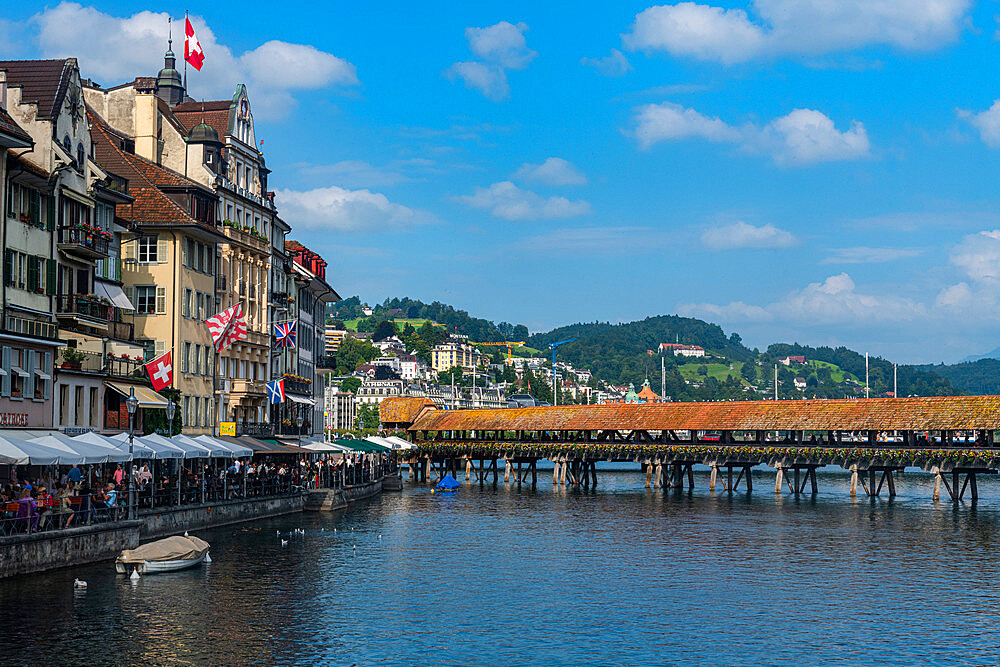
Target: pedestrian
{"x":74,"y":475}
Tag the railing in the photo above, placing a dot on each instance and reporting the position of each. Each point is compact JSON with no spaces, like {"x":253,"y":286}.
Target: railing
{"x":258,"y":338}
{"x":84,"y":305}
{"x":298,"y":386}
{"x":248,"y":238}
{"x":248,"y":387}
{"x":28,"y":327}
{"x":255,"y":429}
{"x":279,"y":299}
{"x":91,"y":362}
{"x":124,"y":367}
{"x":292,"y":429}
{"x":83,"y":239}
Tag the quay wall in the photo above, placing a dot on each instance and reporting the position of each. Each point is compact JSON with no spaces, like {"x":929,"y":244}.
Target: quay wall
{"x":328,"y":500}
{"x":171,"y":521}
{"x":24,"y":554}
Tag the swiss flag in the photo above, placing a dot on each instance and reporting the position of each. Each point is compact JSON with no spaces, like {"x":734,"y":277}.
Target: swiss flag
{"x":192,"y":49}
{"x":161,"y":371}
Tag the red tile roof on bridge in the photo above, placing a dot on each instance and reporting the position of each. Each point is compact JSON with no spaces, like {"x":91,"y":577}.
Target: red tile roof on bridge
{"x":903,"y":414}
{"x":402,"y":410}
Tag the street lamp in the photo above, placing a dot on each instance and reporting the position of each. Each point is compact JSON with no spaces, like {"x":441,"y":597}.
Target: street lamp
{"x":171,"y":409}
{"x":131,"y":404}
{"x":298,"y":422}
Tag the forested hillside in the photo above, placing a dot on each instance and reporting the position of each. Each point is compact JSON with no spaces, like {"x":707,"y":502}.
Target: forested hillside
{"x":975,"y":377}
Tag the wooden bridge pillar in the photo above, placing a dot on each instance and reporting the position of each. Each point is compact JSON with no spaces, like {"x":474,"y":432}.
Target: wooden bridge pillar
{"x":468,"y":468}
{"x":778,"y":477}
{"x":648,"y":467}
{"x":658,"y":475}
{"x":506,"y":471}
{"x":854,"y":480}
{"x":712,"y":476}
{"x":555,"y":472}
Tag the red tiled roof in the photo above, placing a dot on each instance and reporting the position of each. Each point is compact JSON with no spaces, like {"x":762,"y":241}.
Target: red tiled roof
{"x":400,"y":410}
{"x":10,"y":127}
{"x":214,"y":114}
{"x":904,"y":414}
{"x":146,"y":179}
{"x":20,"y":161}
{"x":42,"y":82}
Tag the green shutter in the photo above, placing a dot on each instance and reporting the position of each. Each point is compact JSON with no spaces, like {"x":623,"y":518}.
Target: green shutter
{"x":33,"y":270}
{"x":50,"y":277}
{"x":35,"y":207}
{"x":8,"y":268}
{"x":50,"y":217}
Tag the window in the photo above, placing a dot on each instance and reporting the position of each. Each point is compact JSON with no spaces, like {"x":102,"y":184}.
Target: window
{"x":93,"y":408}
{"x":197,"y":410}
{"x":185,"y":357}
{"x":147,"y":246}
{"x":187,"y":302}
{"x":223,"y":361}
{"x":78,"y":406}
{"x":75,"y":213}
{"x":187,"y":409}
{"x":63,"y":403}
{"x":145,"y":300}
{"x":68,"y":145}
{"x":80,"y":158}
{"x":197,"y":360}
{"x":229,"y":212}
{"x":189,"y":252}
{"x":199,"y":256}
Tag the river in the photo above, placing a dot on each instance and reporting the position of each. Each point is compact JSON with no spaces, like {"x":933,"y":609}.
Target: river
{"x":620,"y":575}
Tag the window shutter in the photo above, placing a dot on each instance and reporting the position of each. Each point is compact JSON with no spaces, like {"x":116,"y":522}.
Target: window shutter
{"x":5,"y":360}
{"x":29,"y":382}
{"x":187,"y":303}
{"x":47,"y":369}
{"x":129,"y":293}
{"x":159,"y":349}
{"x":128,"y":248}
{"x":33,"y":270}
{"x":35,"y":207}
{"x":50,"y":276}
{"x":50,"y":213}
{"x":161,"y":251}
{"x":161,"y":300}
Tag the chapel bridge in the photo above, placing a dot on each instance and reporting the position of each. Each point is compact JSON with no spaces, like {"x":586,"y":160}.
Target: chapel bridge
{"x":875,"y":439}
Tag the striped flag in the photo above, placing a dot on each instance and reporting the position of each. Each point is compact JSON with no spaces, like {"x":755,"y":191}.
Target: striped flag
{"x":227,"y":327}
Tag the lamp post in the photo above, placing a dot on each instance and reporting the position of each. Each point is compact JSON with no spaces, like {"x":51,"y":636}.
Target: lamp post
{"x":171,"y":409}
{"x":131,"y":404}
{"x":298,"y":423}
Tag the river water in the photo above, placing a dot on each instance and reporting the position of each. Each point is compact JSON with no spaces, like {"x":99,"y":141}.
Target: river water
{"x":620,"y":575}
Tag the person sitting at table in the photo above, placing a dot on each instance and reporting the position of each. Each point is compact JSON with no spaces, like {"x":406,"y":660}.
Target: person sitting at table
{"x":63,"y":494}
{"x":145,"y":477}
{"x":111,"y":501}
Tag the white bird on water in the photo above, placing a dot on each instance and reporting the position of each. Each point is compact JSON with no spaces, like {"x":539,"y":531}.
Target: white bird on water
{"x":186,"y":534}
{"x":79,"y":584}
{"x":135,"y":575}
{"x":284,"y":543}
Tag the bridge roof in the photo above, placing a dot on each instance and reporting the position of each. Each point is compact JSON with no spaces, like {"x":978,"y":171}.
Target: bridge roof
{"x":402,"y":410}
{"x":903,"y":414}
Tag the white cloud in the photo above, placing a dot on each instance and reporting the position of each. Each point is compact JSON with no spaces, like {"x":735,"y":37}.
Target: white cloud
{"x":502,"y":43}
{"x":490,"y":80}
{"x":794,"y":27}
{"x":613,"y":64}
{"x":743,"y":235}
{"x":554,"y":171}
{"x":666,"y":121}
{"x":804,"y":136}
{"x":113,"y":49}
{"x":737,"y":311}
{"x":868,"y":255}
{"x":336,"y":208}
{"x":506,"y":200}
{"x":987,"y":122}
{"x":978,"y":256}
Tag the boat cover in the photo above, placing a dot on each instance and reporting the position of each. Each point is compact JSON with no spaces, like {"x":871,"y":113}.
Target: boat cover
{"x":448,"y":482}
{"x":177,"y":547}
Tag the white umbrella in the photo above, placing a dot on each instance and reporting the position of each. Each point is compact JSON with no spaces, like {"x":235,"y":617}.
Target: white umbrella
{"x":384,"y":442}
{"x":21,"y":452}
{"x":238,"y":450}
{"x":139,"y":450}
{"x":191,"y":451}
{"x":159,"y":449}
{"x":402,"y":444}
{"x":91,"y":453}
{"x":326,"y":447}
{"x":215,"y":449}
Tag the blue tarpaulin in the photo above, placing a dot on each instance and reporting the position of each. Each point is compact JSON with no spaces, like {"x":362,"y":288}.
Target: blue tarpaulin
{"x":449,"y":483}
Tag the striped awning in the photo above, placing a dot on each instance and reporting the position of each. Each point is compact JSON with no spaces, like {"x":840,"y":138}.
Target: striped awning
{"x":147,"y":397}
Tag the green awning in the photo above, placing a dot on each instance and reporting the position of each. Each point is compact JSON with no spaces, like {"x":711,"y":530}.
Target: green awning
{"x":361,"y":445}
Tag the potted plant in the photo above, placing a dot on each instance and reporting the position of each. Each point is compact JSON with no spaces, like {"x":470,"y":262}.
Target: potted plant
{"x":72,"y":359}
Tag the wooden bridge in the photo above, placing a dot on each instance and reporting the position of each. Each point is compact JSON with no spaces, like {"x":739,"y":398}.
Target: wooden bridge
{"x":874,"y":439}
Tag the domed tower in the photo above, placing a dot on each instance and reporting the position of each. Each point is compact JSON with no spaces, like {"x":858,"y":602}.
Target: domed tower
{"x":168,"y":82}
{"x":205,"y":135}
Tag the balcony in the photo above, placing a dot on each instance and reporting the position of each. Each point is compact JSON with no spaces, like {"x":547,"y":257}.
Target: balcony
{"x":247,"y":238}
{"x":25,"y":326}
{"x":293,"y":430}
{"x":248,"y":387}
{"x":258,"y":338}
{"x":297,"y":385}
{"x":124,"y":331}
{"x":124,"y":367}
{"x":255,"y":429}
{"x":279,"y":299}
{"x":326,"y":363}
{"x":89,"y":243}
{"x":84,"y":306}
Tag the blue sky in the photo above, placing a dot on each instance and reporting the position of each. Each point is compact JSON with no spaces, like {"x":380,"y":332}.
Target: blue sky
{"x":817,"y":171}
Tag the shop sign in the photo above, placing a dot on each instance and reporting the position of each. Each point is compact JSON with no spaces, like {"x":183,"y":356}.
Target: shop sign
{"x":227,"y":428}
{"x":13,"y":418}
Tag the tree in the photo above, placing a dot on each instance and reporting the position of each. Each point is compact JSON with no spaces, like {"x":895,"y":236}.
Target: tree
{"x":368,"y":415}
{"x":352,"y":353}
{"x":350,"y":385}
{"x":446,"y":377}
{"x":384,"y":329}
{"x":336,"y":324}
{"x":703,"y":370}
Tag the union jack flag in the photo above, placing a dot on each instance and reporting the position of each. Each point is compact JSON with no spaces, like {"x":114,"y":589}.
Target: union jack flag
{"x":284,"y":334}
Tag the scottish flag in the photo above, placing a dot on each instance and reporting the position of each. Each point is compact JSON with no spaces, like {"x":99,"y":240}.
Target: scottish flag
{"x":276,"y":391}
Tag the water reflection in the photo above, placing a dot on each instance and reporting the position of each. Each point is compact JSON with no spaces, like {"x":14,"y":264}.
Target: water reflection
{"x":620,"y":574}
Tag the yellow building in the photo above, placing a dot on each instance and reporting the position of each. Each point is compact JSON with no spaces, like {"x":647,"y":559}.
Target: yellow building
{"x":455,"y":353}
{"x":168,"y":267}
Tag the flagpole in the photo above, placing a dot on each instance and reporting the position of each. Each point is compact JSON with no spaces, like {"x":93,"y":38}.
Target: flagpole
{"x":185,"y":52}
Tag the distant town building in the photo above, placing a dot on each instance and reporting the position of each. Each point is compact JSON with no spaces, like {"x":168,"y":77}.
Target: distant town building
{"x":456,"y":353}
{"x":340,"y":408}
{"x":792,"y":359}
{"x":800,"y":383}
{"x":333,"y":338}
{"x":682,"y":350}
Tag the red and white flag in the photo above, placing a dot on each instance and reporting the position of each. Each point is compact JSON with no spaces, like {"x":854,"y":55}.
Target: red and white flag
{"x":161,"y":371}
{"x":227,"y":327}
{"x":192,"y":48}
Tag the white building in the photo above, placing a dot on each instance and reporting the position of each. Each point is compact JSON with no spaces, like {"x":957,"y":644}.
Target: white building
{"x":340,"y":408}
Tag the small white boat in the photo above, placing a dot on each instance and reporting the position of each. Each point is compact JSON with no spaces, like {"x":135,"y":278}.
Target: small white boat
{"x":166,"y":555}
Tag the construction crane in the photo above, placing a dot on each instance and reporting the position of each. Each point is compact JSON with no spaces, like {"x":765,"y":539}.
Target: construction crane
{"x":510,"y":346}
{"x":553,"y":346}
